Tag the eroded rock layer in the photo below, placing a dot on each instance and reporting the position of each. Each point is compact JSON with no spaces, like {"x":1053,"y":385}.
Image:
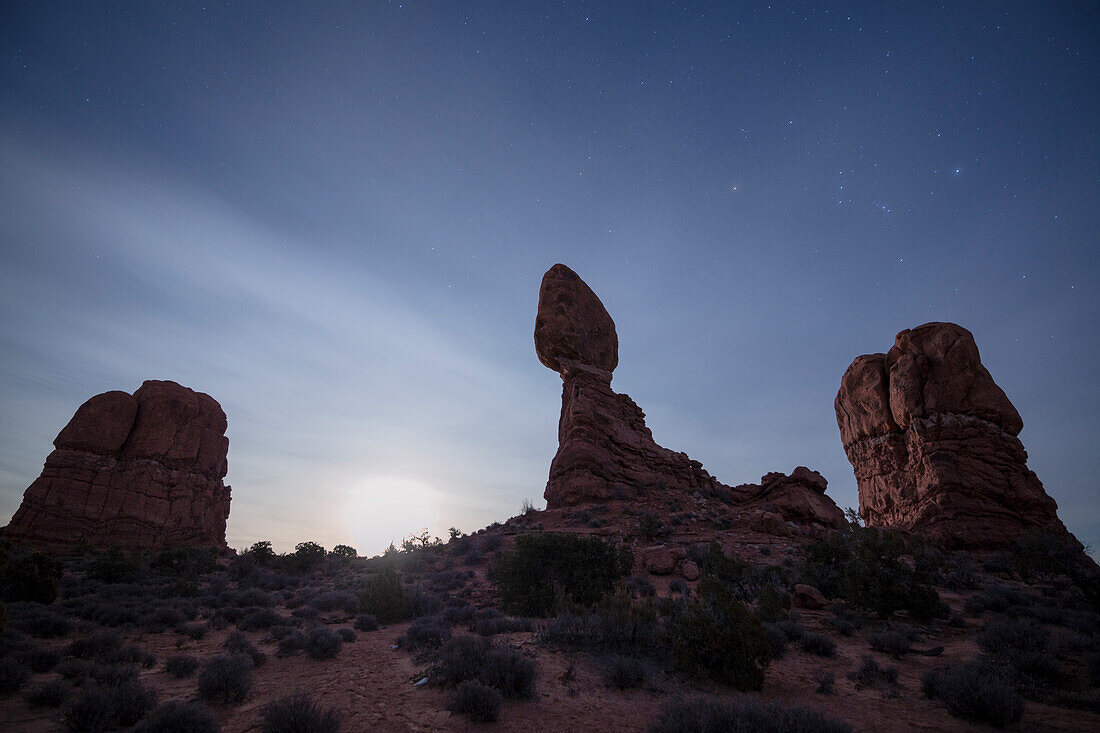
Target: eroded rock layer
{"x":141,"y":471}
{"x":605,"y":450}
{"x":932,"y":440}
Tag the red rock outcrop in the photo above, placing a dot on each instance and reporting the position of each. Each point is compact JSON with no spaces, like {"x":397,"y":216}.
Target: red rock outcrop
{"x":932,"y":439}
{"x":605,"y":450}
{"x":141,"y":471}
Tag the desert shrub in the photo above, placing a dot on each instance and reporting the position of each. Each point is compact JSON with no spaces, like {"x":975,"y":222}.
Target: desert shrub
{"x":428,"y":632}
{"x":39,"y":660}
{"x":292,"y":643}
{"x":366,"y":622}
{"x":716,"y":636}
{"x":382,"y":596}
{"x":702,"y":715}
{"x":818,"y":644}
{"x":344,"y":552}
{"x":422,"y":603}
{"x":1041,"y":554}
{"x":346,"y":635}
{"x":130,"y":654}
{"x":178,"y":717}
{"x":299,"y":714}
{"x":28,"y":575}
{"x":186,"y":562}
{"x":192,"y":631}
{"x":323,"y":643}
{"x":510,"y":672}
{"x":679,"y":586}
{"x":238,"y":643}
{"x":181,"y":665}
{"x":976,"y":692}
{"x":111,"y":675}
{"x":640,"y":586}
{"x":100,"y":707}
{"x":825,"y":681}
{"x":162,"y":618}
{"x":51,"y":694}
{"x":13,"y":675}
{"x":253,"y":597}
{"x":1020,"y":645}
{"x":890,"y":641}
{"x":502,"y":625}
{"x":114,"y":565}
{"x":226,"y":678}
{"x":623,"y":672}
{"x":616,"y":624}
{"x":306,"y":613}
{"x":845,"y":622}
{"x":481,"y":703}
{"x":460,"y":659}
{"x":260,"y":618}
{"x":541,"y":568}
{"x":777,"y":640}
{"x":864,"y":566}
{"x":772,"y":604}
{"x":461,"y":614}
{"x":870,"y":673}
{"x":39,"y":622}
{"x":98,"y":644}
{"x":76,"y":670}
{"x":333,"y":600}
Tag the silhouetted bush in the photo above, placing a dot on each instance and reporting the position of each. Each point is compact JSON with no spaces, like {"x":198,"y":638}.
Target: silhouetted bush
{"x":975,"y":692}
{"x":825,"y":681}
{"x":366,"y":622}
{"x":702,"y":715}
{"x":480,"y":702}
{"x":622,"y":672}
{"x":28,"y":575}
{"x":428,"y":632}
{"x":101,"y":707}
{"x":13,"y":675}
{"x":292,"y":643}
{"x":344,"y":552}
{"x":892,"y":642}
{"x":332,"y":600}
{"x":181,"y":665}
{"x":715,"y":635}
{"x":772,"y":604}
{"x":186,"y":562}
{"x":540,"y":568}
{"x":863,"y":566}
{"x":98,"y":644}
{"x":178,"y":717}
{"x":777,"y":640}
{"x":870,"y":673}
{"x":192,"y":631}
{"x":460,"y":659}
{"x":226,"y":679}
{"x":819,"y":644}
{"x":299,"y":714}
{"x":346,"y":635}
{"x":616,"y":624}
{"x":640,"y":586}
{"x":502,"y":625}
{"x":323,"y":643}
{"x":51,"y":694}
{"x":846,"y":622}
{"x":260,"y":618}
{"x":1020,"y":645}
{"x":39,"y":660}
{"x":382,"y":596}
{"x":38,"y":621}
{"x":510,"y":672}
{"x":238,"y":643}
{"x":114,"y":565}
{"x":129,"y":654}
{"x":1041,"y":554}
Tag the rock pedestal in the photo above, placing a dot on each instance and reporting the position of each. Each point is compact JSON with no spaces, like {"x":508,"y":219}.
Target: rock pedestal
{"x":605,"y":450}
{"x":141,"y":471}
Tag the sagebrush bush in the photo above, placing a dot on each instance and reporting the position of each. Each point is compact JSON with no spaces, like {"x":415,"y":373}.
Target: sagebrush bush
{"x":13,"y":675}
{"x":502,"y":625}
{"x":28,"y":575}
{"x":181,"y":665}
{"x":382,"y":596}
{"x":510,"y":672}
{"x":623,"y":672}
{"x":890,"y":641}
{"x":702,"y":715}
{"x":461,"y":659}
{"x":238,"y":643}
{"x":540,"y":568}
{"x":97,"y":644}
{"x":346,"y":635}
{"x":323,"y":643}
{"x":870,"y":673}
{"x":1020,"y":645}
{"x":299,"y":714}
{"x":178,"y":717}
{"x":99,"y":707}
{"x":715,"y":635}
{"x":226,"y":678}
{"x":39,"y":660}
{"x":976,"y":692}
{"x":819,"y":644}
{"x":50,"y":694}
{"x":366,"y":622}
{"x":476,"y":700}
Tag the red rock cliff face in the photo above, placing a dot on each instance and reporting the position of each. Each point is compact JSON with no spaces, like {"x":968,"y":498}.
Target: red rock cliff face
{"x":932,"y":439}
{"x":605,"y":450}
{"x":141,"y":471}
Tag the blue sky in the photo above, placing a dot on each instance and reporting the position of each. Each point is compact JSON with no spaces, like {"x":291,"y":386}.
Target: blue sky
{"x":334,"y":220}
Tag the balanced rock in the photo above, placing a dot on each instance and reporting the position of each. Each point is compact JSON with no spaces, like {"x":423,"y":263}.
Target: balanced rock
{"x":141,"y":471}
{"x":932,"y":440}
{"x":605,"y":450}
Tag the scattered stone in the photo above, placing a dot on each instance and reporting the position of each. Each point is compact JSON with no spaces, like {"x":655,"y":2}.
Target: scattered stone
{"x":806,"y":596}
{"x":690,"y":570}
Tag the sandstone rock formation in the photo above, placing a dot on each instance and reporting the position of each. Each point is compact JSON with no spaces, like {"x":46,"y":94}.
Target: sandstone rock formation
{"x":605,"y":450}
{"x":932,"y":439}
{"x":141,"y":471}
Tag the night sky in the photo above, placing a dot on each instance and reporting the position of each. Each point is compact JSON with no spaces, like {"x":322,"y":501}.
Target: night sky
{"x":333,"y":217}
